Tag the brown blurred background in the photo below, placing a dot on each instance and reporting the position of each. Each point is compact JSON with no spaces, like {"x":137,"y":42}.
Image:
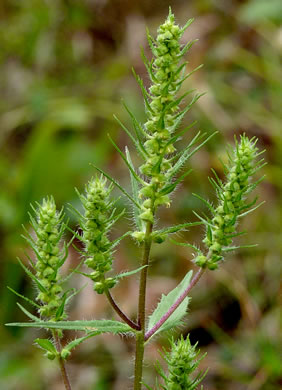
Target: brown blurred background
{"x":65,"y":67}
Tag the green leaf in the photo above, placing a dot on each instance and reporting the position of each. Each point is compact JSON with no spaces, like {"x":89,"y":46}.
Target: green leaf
{"x":151,"y":41}
{"x":187,"y":245}
{"x":178,"y":136}
{"x":206,"y":202}
{"x":251,"y":210}
{"x":186,"y":25}
{"x":114,"y":218}
{"x":178,"y":101}
{"x":137,"y":127}
{"x":61,"y":308}
{"x":171,"y":187}
{"x":47,"y":345}
{"x":129,"y":273}
{"x":70,"y":275}
{"x":148,"y":66}
{"x":23,"y":297}
{"x":176,"y":228}
{"x":166,"y":302}
{"x":118,"y":240}
{"x":75,"y":292}
{"x":205,"y":221}
{"x":73,"y":344}
{"x":27,"y":313}
{"x":189,"y":74}
{"x":103,"y":326}
{"x":135,"y":191}
{"x":33,"y":277}
{"x":131,"y":169}
{"x":145,"y":93}
{"x":233,"y":248}
{"x":139,"y":145}
{"x":186,"y":154}
{"x":118,"y":186}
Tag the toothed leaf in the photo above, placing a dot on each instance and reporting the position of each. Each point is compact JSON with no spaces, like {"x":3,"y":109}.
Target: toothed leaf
{"x":166,"y":302}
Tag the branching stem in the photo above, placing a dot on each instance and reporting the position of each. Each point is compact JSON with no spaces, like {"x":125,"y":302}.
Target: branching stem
{"x":122,"y":315}
{"x":61,"y":362}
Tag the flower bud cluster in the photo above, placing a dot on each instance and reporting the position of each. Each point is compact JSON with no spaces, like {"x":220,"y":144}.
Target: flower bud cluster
{"x":49,"y":230}
{"x":221,"y":228}
{"x":182,"y":362}
{"x":95,"y":225}
{"x":162,"y":113}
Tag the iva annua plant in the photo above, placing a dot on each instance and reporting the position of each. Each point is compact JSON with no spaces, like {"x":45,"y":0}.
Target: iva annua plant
{"x":153,"y":183}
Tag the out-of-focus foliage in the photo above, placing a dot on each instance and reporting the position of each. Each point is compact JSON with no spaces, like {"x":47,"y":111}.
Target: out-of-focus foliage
{"x":64,"y":68}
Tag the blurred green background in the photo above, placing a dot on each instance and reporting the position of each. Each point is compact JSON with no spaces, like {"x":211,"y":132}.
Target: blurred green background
{"x":65,"y":67}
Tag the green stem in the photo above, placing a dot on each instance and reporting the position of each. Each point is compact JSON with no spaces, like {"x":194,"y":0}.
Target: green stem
{"x":140,"y":337}
{"x":61,"y":362}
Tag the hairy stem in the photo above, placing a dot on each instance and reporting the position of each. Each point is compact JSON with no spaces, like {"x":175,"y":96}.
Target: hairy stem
{"x":61,"y":362}
{"x":193,"y":282}
{"x":140,"y":337}
{"x":122,"y":315}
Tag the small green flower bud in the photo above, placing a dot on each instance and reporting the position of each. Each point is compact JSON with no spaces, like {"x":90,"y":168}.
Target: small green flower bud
{"x":147,"y":215}
{"x":147,"y":204}
{"x":65,"y":353}
{"x":200,"y":260}
{"x":99,"y":287}
{"x":159,"y":238}
{"x":218,"y":220}
{"x":50,"y":355}
{"x":212,"y":266}
{"x":147,"y":192}
{"x":48,"y":272}
{"x":138,"y":236}
{"x":216,"y":247}
{"x":95,"y":276}
{"x":56,"y":289}
{"x":110,"y":282}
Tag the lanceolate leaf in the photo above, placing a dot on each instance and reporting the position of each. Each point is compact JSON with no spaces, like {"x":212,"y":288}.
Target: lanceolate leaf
{"x":171,"y":187}
{"x":27,"y":313}
{"x":73,"y":344}
{"x":187,"y":245}
{"x":118,"y":186}
{"x":137,"y":127}
{"x":129,"y":273}
{"x":131,"y":169}
{"x":139,"y":146}
{"x":61,"y":308}
{"x":166,"y":302}
{"x":103,"y":326}
{"x":187,"y":154}
{"x":135,"y":191}
{"x":176,"y":228}
{"x":33,"y":277}
{"x":118,"y":240}
{"x":23,"y":297}
{"x":46,"y":345}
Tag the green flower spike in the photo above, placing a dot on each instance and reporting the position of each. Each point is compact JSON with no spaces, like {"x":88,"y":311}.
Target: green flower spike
{"x":232,"y":205}
{"x":167,"y":74}
{"x":96,"y":223}
{"x":49,"y":230}
{"x":182,"y":363}
{"x":163,"y":112}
